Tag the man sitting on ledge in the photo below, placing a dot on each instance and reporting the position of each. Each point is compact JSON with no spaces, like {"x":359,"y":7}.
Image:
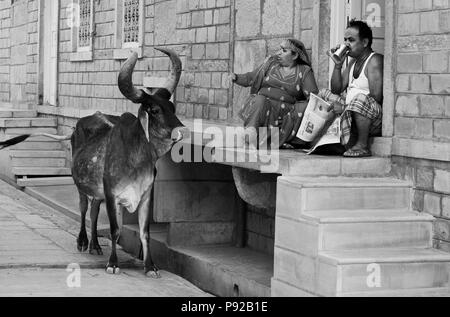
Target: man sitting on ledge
{"x":357,"y":93}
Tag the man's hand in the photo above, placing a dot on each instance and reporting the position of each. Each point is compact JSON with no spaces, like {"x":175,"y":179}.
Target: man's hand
{"x":339,"y":65}
{"x":337,"y":108}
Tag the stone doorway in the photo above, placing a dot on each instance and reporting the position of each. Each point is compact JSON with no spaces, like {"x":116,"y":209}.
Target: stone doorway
{"x":48,"y":52}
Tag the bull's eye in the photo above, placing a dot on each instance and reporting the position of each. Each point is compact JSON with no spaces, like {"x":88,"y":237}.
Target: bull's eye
{"x":155,"y":111}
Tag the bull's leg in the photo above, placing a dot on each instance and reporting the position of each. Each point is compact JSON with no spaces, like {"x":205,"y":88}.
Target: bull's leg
{"x":83,"y":241}
{"x":111,"y":206}
{"x":94,"y":245}
{"x":150,"y":268}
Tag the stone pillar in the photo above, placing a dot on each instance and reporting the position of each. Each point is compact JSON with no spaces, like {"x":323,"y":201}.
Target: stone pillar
{"x":321,"y":41}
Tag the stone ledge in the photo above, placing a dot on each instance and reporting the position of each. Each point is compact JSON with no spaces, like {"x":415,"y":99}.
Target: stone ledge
{"x":81,"y":56}
{"x":71,"y":112}
{"x":285,"y":162}
{"x":124,"y":53}
{"x":421,"y":149}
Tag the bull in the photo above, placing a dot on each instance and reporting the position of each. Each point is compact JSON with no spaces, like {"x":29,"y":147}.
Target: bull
{"x":114,"y":158}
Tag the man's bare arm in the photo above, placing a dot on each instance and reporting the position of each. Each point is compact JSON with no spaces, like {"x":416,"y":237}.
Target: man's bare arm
{"x":375,"y":75}
{"x":340,"y":80}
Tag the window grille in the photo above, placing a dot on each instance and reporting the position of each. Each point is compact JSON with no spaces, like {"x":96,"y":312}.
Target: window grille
{"x":129,"y":28}
{"x":80,"y":15}
{"x":131,"y":21}
{"x":84,"y":31}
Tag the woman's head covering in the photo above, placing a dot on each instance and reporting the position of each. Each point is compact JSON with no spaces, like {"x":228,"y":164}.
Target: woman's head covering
{"x":299,"y":48}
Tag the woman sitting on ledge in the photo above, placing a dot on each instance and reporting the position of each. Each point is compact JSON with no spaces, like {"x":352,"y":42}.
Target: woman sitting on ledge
{"x":280,"y":91}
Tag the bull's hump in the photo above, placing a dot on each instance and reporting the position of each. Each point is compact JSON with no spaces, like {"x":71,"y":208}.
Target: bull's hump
{"x":128,"y":118}
{"x":104,"y":119}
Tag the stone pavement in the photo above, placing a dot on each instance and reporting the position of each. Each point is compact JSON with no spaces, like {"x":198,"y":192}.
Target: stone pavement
{"x":37,"y":244}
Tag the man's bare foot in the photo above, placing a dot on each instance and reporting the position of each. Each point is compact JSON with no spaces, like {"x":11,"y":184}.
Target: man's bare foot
{"x":358,"y":151}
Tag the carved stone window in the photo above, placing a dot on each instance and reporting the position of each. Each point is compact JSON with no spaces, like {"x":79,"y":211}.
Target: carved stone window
{"x":129,"y":27}
{"x":131,"y":17}
{"x":81,"y":19}
{"x":85,"y":29}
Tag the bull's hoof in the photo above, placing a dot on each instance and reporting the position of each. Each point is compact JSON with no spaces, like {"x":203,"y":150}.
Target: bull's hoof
{"x":95,"y":247}
{"x":153,"y":273}
{"x":82,"y":243}
{"x":113,"y":270}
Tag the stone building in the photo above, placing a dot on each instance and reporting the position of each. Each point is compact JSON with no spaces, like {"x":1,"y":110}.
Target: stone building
{"x":61,"y":58}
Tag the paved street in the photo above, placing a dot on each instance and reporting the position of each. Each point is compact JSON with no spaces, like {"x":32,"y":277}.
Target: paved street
{"x":38,"y":244}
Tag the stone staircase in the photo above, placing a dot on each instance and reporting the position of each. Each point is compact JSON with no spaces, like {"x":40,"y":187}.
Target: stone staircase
{"x":354,"y":237}
{"x":37,"y":157}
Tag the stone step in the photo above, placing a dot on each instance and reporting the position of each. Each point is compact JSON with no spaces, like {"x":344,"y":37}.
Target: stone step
{"x":44,"y":181}
{"x":362,"y":229}
{"x":31,"y":130}
{"x":221,"y":270}
{"x":312,"y":165}
{"x":49,"y":145}
{"x":297,"y":195}
{"x":228,"y":150}
{"x":27,"y":122}
{"x":421,"y":292}
{"x":38,"y":162}
{"x":297,"y":163}
{"x":17,"y":113}
{"x":41,"y":171}
{"x":343,"y":272}
{"x":365,"y":216}
{"x":37,"y":154}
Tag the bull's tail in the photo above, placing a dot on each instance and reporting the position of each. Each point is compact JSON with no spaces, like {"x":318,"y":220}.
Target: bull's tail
{"x":24,"y":137}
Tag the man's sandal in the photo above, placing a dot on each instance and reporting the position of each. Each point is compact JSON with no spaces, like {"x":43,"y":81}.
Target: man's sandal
{"x":358,"y":153}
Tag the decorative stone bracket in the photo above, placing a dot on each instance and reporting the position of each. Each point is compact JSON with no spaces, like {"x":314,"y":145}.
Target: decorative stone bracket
{"x":255,"y":188}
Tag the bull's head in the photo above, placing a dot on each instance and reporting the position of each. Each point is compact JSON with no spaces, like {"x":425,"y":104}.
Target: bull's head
{"x":157,"y":112}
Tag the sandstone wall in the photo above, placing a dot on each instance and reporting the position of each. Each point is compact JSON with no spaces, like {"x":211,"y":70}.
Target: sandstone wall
{"x":422,"y":109}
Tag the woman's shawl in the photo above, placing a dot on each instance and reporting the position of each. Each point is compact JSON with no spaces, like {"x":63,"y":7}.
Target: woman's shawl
{"x":261,"y":74}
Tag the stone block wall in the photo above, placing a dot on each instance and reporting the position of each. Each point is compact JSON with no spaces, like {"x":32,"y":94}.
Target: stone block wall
{"x":32,"y":52}
{"x":213,"y":38}
{"x":199,"y":31}
{"x":19,"y":52}
{"x":260,"y":229}
{"x":5,"y":26}
{"x":204,"y":29}
{"x":260,"y":26}
{"x":422,"y":109}
{"x":85,"y":85}
{"x":23,"y":50}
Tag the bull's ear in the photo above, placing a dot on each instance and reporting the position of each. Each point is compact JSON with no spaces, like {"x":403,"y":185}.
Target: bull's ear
{"x":144,"y":120}
{"x":163,"y":93}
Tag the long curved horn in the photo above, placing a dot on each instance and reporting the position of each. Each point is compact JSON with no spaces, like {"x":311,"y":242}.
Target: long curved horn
{"x":125,"y":81}
{"x":21,"y":138}
{"x":175,"y":72}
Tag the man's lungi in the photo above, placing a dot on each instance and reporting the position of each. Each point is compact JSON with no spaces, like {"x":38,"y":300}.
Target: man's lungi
{"x":362,"y":104}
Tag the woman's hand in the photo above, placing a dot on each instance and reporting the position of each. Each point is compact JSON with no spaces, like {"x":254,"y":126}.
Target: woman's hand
{"x":232,"y":77}
{"x":337,"y":108}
